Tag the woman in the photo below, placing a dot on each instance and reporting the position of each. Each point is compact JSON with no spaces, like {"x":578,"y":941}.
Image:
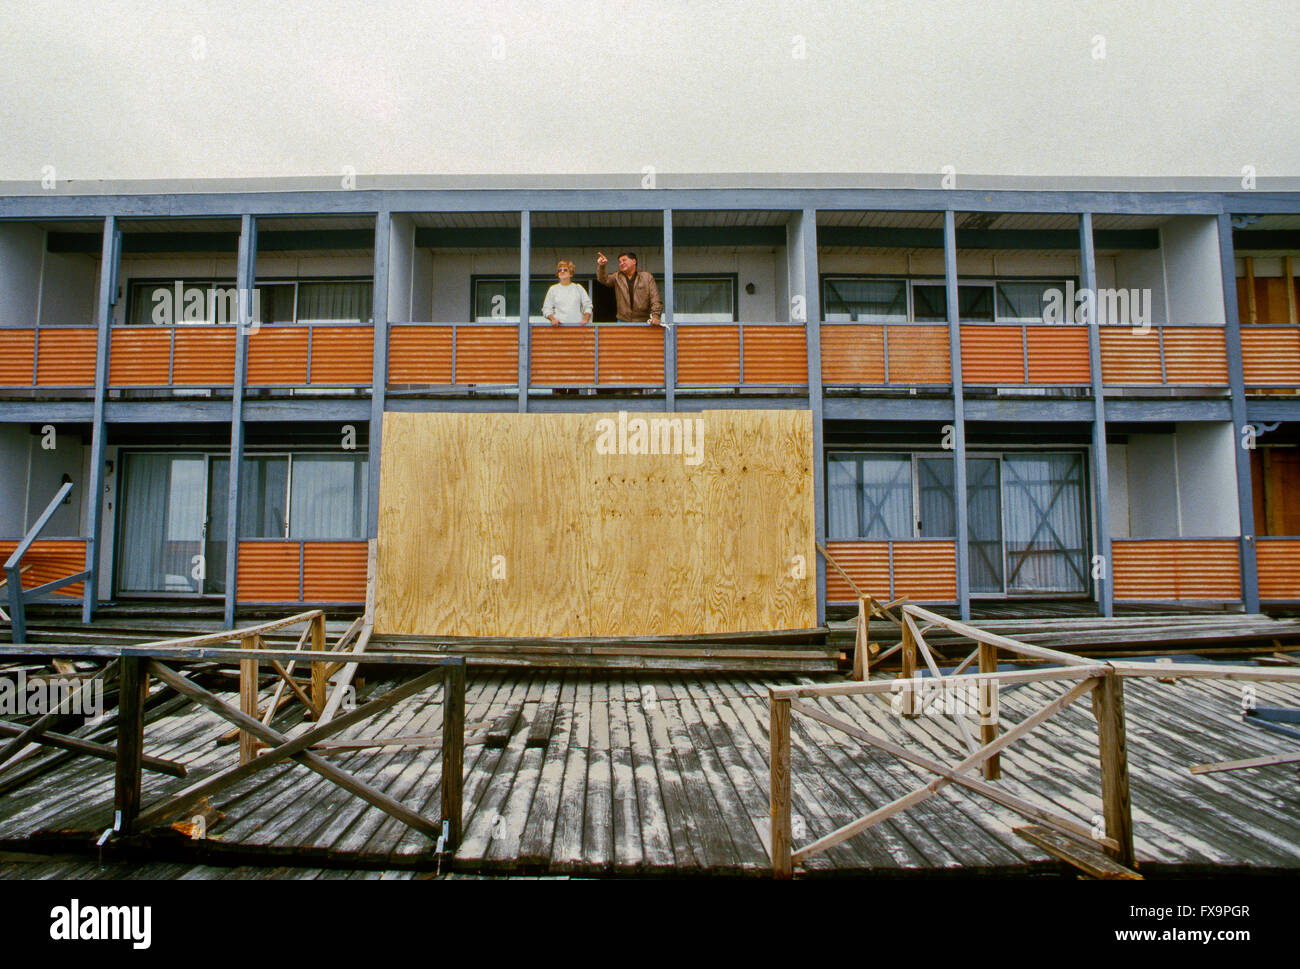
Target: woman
{"x":566,"y":302}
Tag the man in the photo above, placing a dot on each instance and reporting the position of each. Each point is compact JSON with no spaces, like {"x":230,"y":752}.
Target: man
{"x":635,"y":291}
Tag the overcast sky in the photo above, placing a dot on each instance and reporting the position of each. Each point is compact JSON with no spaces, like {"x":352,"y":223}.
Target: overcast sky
{"x":1036,"y":87}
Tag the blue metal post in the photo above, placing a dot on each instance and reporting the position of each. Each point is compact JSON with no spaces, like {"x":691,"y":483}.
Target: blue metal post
{"x":959,"y":496}
{"x":1100,"y":464}
{"x":245,"y":280}
{"x":379,"y":389}
{"x":110,"y":254}
{"x":670,"y":331}
{"x":525,"y":328}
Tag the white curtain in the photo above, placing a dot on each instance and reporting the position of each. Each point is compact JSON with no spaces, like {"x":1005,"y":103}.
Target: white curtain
{"x":342,"y":302}
{"x":1045,"y":524}
{"x":162,"y":522}
{"x":329,"y":497}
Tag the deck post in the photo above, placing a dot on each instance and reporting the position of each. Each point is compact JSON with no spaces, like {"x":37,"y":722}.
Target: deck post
{"x":908,"y":657}
{"x":246,"y":272}
{"x":248,"y":669}
{"x":379,"y":367}
{"x":525,"y":325}
{"x":133,"y":683}
{"x":861,"y":661}
{"x":779,"y":806}
{"x":1108,"y":707}
{"x":1100,"y":459}
{"x":453,"y":750}
{"x":319,"y":680}
{"x":989,"y":731}
{"x":670,"y":331}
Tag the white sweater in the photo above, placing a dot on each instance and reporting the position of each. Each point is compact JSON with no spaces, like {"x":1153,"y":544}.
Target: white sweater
{"x":568,"y":303}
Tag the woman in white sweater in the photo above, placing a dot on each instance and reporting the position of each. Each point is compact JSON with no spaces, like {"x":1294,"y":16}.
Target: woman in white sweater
{"x":566,"y":301}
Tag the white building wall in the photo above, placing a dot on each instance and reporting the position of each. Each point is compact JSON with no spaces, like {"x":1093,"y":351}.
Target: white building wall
{"x":1192,"y":269}
{"x":1117,"y":489}
{"x":401,"y":249}
{"x":1152,"y":461}
{"x":69,"y":288}
{"x":14,"y":442}
{"x":1207,"y":480}
{"x":68,"y":456}
{"x":21,"y":247}
{"x":1142,"y":270}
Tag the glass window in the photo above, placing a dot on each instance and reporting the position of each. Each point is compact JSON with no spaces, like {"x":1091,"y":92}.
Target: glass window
{"x":934,"y":485}
{"x":699,"y":300}
{"x":274,"y":303}
{"x":347,"y":302}
{"x":201,"y":301}
{"x":1025,"y":299}
{"x":329,"y":496}
{"x":496,"y":300}
{"x":1046,"y":523}
{"x":878,"y":300}
{"x":930,"y":303}
{"x":872,"y":495}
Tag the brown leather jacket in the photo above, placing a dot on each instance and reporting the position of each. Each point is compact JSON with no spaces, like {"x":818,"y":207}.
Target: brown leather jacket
{"x":638,"y":302}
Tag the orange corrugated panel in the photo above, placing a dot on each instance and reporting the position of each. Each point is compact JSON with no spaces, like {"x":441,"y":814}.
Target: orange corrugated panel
{"x":140,"y":357}
{"x":66,"y":358}
{"x":1196,"y":355}
{"x":866,"y":562}
{"x":926,"y":571}
{"x":420,"y":355}
{"x":277,"y":356}
{"x":16,"y":350}
{"x":342,"y":355}
{"x":631,"y":355}
{"x":1171,"y":569}
{"x":487,"y":355}
{"x":268,"y":572}
{"x":50,"y":559}
{"x":992,"y":355}
{"x":776,"y":355}
{"x":1271,"y":356}
{"x":1129,"y":356}
{"x":1279,"y":569}
{"x":204,"y":356}
{"x":1058,"y":354}
{"x":853,"y":354}
{"x":918,"y":354}
{"x":708,"y":355}
{"x":563,"y":355}
{"x":334,"y":572}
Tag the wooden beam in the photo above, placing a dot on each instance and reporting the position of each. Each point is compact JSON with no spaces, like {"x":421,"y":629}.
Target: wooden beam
{"x":133,"y":687}
{"x":327,"y":770}
{"x":861,"y":644}
{"x":77,"y":745}
{"x":1087,"y":859}
{"x":539,"y":732}
{"x":988,"y":655}
{"x":1108,"y":705}
{"x":345,"y":677}
{"x":779,"y":803}
{"x":319,"y":682}
{"x":908,"y":674}
{"x":1252,"y":311}
{"x":453,"y":752}
{"x":1288,"y":269}
{"x":50,"y":718}
{"x":232,"y":775}
{"x":1269,"y":761}
{"x":1002,"y":642}
{"x":888,"y":686}
{"x":248,"y":696}
{"x":502,"y":727}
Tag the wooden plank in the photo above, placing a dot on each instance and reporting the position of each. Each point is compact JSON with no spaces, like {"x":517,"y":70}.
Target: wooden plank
{"x":1076,"y":853}
{"x":629,"y":851}
{"x":988,"y":657}
{"x":657,"y":835}
{"x":539,"y":731}
{"x":453,"y":752}
{"x":502,"y":727}
{"x":597,"y":815}
{"x":566,"y":849}
{"x":1108,"y":705}
{"x":539,"y":829}
{"x":49,"y":719}
{"x":779,"y":807}
{"x":248,"y":697}
{"x":1250,"y":762}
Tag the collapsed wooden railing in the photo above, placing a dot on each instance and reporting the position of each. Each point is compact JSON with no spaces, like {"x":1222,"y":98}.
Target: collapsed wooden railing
{"x":19,"y":597}
{"x":1061,"y":836}
{"x":133,"y":665}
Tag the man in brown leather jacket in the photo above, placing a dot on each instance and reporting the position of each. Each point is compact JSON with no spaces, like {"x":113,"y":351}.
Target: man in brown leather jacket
{"x":635,"y":292}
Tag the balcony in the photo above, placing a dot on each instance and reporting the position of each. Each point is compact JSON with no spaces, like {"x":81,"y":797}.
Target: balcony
{"x":48,"y":356}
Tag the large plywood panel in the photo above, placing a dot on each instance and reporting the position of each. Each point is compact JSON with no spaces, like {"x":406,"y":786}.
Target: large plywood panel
{"x":519,"y":525}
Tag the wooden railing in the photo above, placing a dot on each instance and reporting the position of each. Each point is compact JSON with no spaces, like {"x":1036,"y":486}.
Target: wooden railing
{"x":20,"y":598}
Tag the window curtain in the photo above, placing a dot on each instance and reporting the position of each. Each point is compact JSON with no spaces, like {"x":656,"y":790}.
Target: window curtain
{"x":1024,"y":300}
{"x":703,"y":300}
{"x":329,"y":497}
{"x":162,"y":522}
{"x":342,"y":302}
{"x":870,"y":496}
{"x":1045,"y":524}
{"x":935,"y":488}
{"x":984,"y":524}
{"x":866,"y":299}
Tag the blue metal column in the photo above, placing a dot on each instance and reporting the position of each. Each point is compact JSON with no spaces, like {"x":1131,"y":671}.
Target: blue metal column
{"x":379,"y":388}
{"x":110,"y":256}
{"x":525,"y":328}
{"x":960,"y":498}
{"x":670,"y":331}
{"x":1237,"y":384}
{"x":1100,"y":463}
{"x":245,"y":280}
{"x":801,"y":249}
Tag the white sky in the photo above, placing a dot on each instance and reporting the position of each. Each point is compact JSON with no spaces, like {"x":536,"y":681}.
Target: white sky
{"x":238,"y":89}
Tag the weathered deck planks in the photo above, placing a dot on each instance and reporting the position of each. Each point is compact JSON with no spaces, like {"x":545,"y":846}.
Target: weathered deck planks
{"x":646,"y":773}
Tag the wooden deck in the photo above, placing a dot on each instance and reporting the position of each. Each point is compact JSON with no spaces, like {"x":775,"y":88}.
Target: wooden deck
{"x":668,"y":774}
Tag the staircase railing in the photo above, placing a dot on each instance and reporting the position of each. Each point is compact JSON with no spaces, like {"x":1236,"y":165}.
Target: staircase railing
{"x":20,"y":597}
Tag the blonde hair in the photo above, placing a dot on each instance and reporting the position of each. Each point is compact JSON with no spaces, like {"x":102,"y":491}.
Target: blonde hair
{"x":565,"y":264}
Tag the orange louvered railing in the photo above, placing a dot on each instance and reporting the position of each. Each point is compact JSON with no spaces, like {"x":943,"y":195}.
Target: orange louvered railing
{"x":453,"y":354}
{"x":1164,"y":356}
{"x":741,"y":354}
{"x":924,"y":570}
{"x":1162,"y":569}
{"x":309,"y":570}
{"x":1278,"y":562}
{"x":47,"y":356}
{"x":876,"y":354}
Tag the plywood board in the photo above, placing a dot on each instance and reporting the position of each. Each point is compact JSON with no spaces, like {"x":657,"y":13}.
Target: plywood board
{"x":557,"y":525}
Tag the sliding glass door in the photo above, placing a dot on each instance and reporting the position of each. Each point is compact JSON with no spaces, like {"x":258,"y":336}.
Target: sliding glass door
{"x":160,"y":547}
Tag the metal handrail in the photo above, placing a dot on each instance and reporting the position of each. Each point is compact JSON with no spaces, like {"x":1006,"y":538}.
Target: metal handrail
{"x":18,"y":597}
